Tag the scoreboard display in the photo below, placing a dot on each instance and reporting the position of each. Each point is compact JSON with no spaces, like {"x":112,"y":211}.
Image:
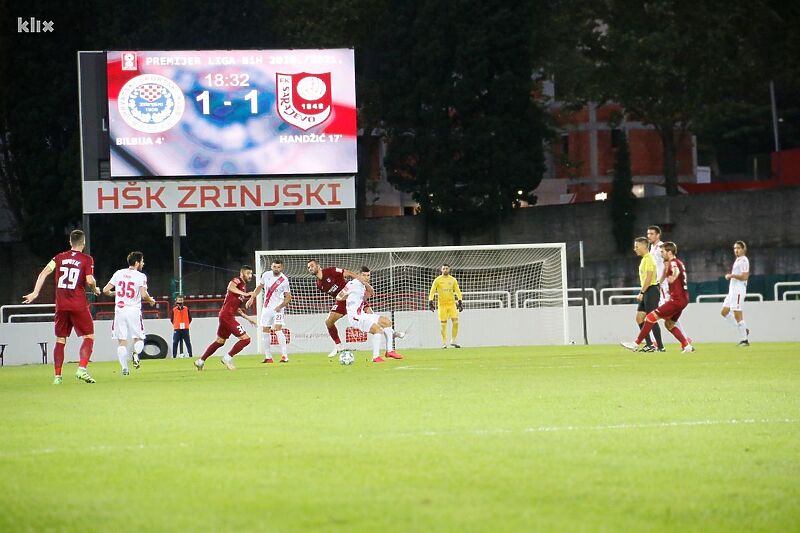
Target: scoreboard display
{"x":231,"y":113}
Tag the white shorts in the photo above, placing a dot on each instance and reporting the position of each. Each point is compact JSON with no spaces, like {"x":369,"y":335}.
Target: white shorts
{"x":663,"y":293}
{"x":364,"y":321}
{"x":734,"y":300}
{"x":127,"y":324}
{"x":270,"y":318}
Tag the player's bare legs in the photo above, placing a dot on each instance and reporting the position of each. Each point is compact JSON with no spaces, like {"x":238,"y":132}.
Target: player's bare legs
{"x":383,"y":328}
{"x":330,"y":324}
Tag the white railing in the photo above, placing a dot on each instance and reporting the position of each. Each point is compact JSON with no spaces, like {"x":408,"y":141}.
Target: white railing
{"x":468,"y":304}
{"x":789,"y":293}
{"x":612,"y":290}
{"x":752,"y":296}
{"x":502,"y":295}
{"x":28,"y":315}
{"x":622,"y":297}
{"x":551,"y":295}
{"x":784,"y":284}
{"x":12,"y":307}
{"x":526,"y":301}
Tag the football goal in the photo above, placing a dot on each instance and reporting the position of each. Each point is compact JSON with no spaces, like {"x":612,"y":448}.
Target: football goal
{"x":514,"y":295}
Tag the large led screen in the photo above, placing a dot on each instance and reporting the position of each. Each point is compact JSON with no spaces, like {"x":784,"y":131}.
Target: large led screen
{"x":230,"y":113}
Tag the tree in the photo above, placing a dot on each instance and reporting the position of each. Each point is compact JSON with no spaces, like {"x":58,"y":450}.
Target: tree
{"x":664,"y":61}
{"x":455,"y":94}
{"x":622,"y":200}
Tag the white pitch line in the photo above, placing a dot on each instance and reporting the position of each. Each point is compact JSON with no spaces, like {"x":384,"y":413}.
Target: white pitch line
{"x":96,"y":448}
{"x":609,"y":427}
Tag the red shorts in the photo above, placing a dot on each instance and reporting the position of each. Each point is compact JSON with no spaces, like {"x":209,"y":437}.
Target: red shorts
{"x":81,"y":320}
{"x":671,"y":310}
{"x":228,"y":325}
{"x":339,"y":307}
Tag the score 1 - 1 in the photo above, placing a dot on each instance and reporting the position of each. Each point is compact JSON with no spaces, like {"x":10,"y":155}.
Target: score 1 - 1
{"x":251,"y":96}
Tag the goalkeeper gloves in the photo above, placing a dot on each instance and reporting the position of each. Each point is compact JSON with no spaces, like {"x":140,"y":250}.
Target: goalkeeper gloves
{"x":431,"y":305}
{"x":460,"y":305}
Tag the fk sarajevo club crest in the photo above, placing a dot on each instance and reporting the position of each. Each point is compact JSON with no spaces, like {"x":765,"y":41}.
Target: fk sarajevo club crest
{"x":150,"y":103}
{"x":304,"y":100}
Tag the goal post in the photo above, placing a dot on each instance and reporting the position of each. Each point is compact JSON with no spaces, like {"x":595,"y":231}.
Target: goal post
{"x":514,"y":295}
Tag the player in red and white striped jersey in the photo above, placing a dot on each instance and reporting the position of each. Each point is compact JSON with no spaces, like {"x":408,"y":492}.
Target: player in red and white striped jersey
{"x":355,"y":294}
{"x":273,"y":318}
{"x":130,"y":286}
{"x":74,"y":271}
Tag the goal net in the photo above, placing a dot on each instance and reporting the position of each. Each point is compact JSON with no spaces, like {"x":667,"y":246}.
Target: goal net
{"x":514,"y":295}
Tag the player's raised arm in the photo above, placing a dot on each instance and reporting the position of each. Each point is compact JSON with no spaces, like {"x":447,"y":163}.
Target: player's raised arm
{"x":235,"y":290}
{"x":46,"y":271}
{"x":349,"y":273}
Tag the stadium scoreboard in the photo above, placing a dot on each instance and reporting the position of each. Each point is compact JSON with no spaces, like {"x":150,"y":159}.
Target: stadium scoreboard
{"x":257,"y":119}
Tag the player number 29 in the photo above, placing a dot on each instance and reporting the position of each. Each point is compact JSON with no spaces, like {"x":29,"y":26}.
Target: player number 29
{"x":68,"y":278}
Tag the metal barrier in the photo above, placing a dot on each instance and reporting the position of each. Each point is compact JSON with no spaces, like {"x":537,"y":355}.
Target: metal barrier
{"x":27,"y":315}
{"x":784,"y":284}
{"x":611,"y":290}
{"x":519,"y":302}
{"x":504,"y":295}
{"x":750,"y":295}
{"x":789,"y":293}
{"x":526,"y":301}
{"x":468,"y":303}
{"x":20,"y":306}
{"x":617,"y":297}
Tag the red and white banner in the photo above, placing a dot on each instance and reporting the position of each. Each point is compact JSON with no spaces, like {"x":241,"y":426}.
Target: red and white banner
{"x":218,"y":195}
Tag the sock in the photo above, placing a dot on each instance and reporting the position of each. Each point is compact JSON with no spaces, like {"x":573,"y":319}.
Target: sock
{"x":266,"y":339}
{"x":730,"y":319}
{"x":657,"y":334}
{"x":645,"y":331}
{"x":389,"y":334}
{"x":138,"y":347}
{"x":683,"y":330}
{"x":213,"y":347}
{"x":334,"y":333}
{"x":86,"y":351}
{"x":122,"y":355}
{"x":742,"y":330}
{"x":58,"y":357}
{"x":455,"y":332}
{"x":646,"y":337}
{"x":376,"y":345}
{"x":444,"y":332}
{"x":678,"y":334}
{"x":239,"y":346}
{"x":281,"y":341}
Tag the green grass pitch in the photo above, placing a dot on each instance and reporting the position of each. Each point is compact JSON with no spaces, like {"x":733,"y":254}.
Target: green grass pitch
{"x":565,"y":438}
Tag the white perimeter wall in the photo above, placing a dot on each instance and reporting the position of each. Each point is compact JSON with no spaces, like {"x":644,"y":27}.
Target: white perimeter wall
{"x":768,"y":322}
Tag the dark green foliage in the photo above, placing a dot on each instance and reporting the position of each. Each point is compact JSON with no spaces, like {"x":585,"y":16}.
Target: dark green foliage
{"x":622,"y":201}
{"x":464,"y":132}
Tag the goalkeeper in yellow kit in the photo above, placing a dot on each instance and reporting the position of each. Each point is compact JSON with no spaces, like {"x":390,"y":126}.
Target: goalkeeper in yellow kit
{"x":446,"y":287}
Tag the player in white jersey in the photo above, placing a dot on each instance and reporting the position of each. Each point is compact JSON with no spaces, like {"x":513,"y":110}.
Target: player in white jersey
{"x":656,"y":244}
{"x":355,"y":293}
{"x":737,"y":291}
{"x":130,"y":286}
{"x":276,"y":299}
